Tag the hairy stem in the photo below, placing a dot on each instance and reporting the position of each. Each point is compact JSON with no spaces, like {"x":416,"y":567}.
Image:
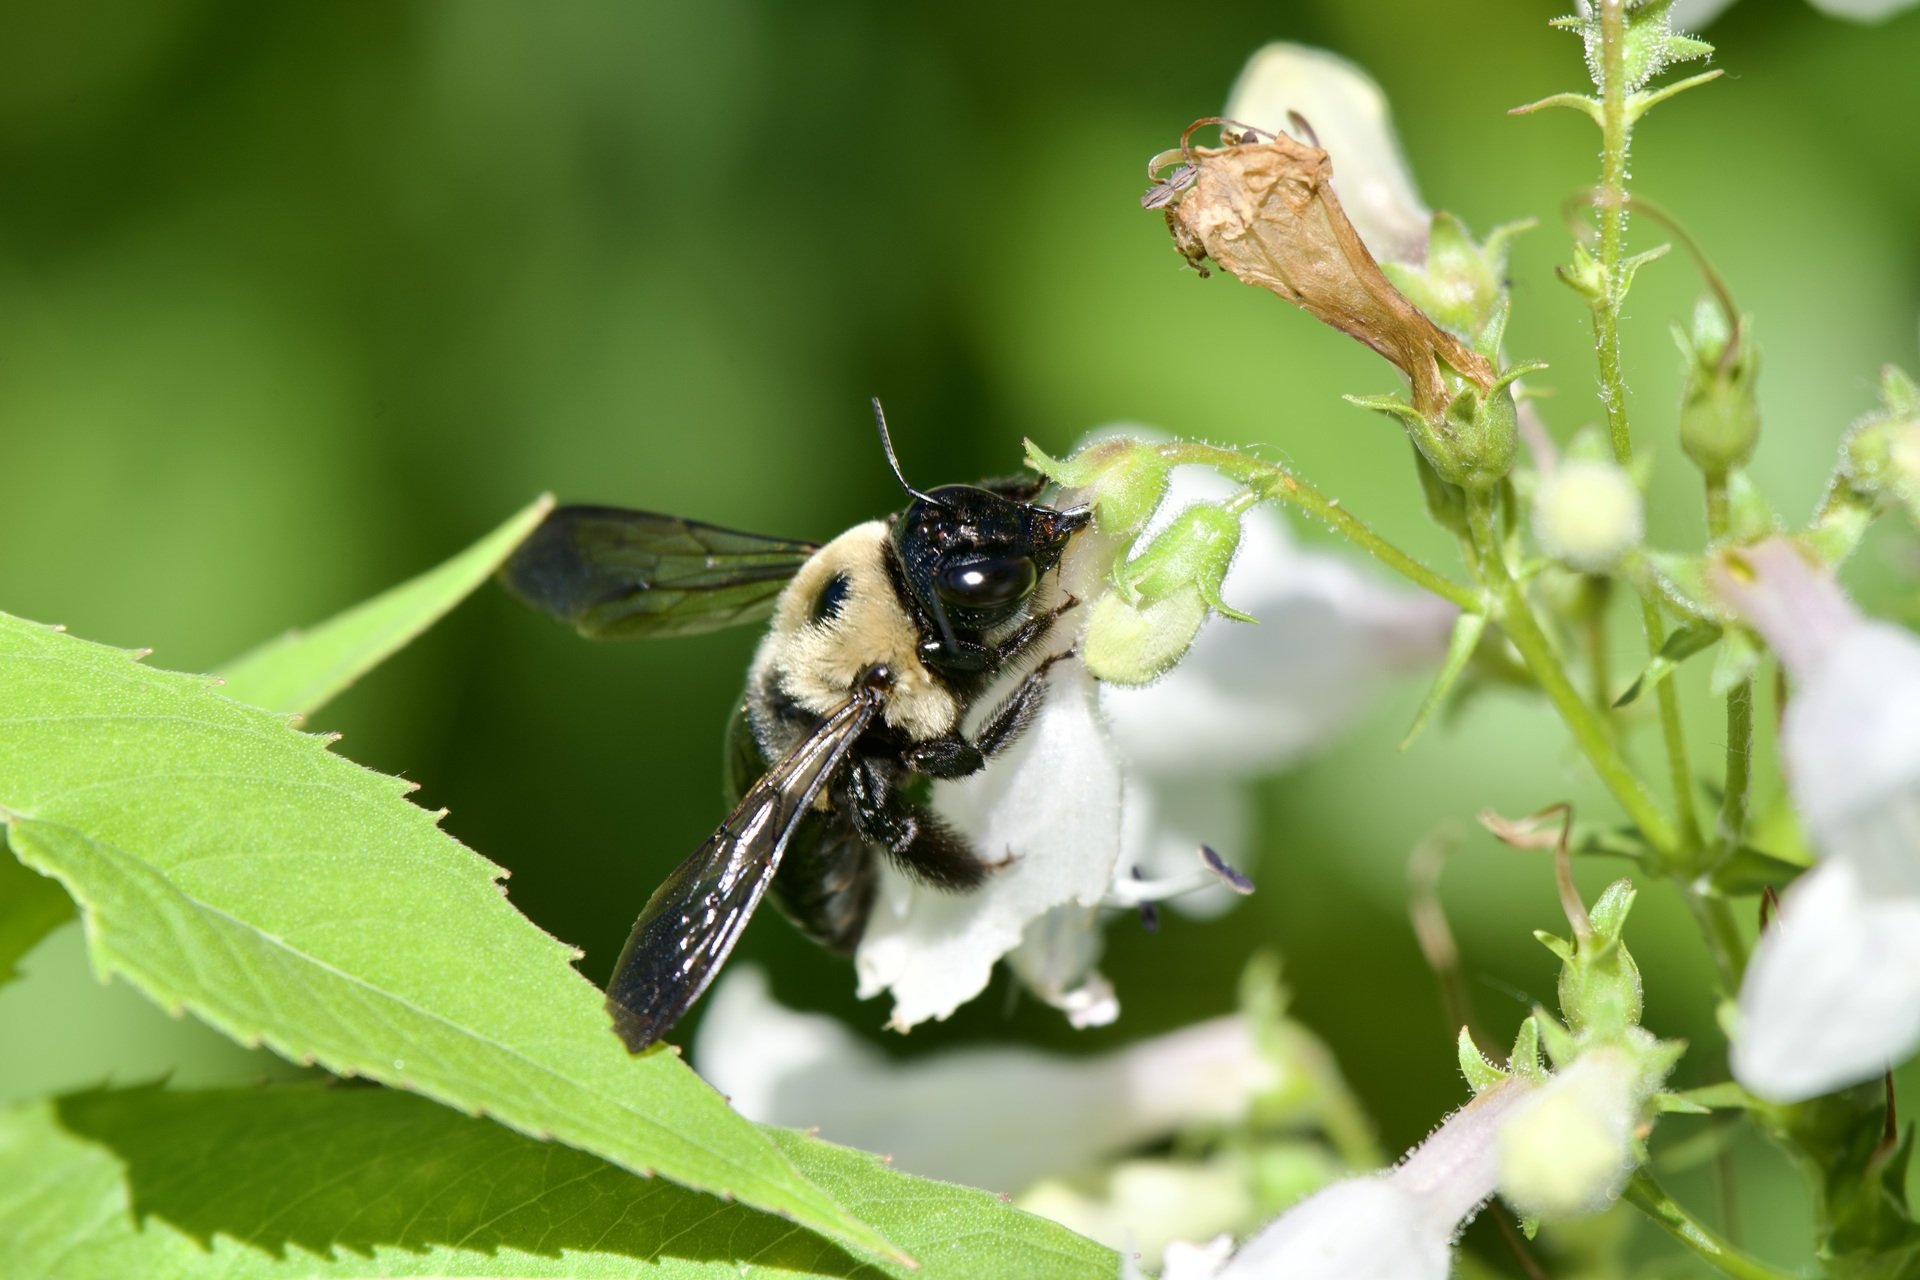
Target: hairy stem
{"x":1739,"y":770}
{"x":1278,"y":482}
{"x":1611,"y":206}
{"x":1645,"y":1195}
{"x":1515,"y":615}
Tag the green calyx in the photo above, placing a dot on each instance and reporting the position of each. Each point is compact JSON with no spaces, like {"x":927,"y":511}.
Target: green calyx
{"x":1599,"y":981}
{"x":1471,"y":444}
{"x":1719,"y":413}
{"x":1145,"y":625}
{"x":1125,"y":478}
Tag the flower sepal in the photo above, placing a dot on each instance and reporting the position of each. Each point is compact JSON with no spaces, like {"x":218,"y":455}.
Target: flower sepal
{"x":1121,"y":477}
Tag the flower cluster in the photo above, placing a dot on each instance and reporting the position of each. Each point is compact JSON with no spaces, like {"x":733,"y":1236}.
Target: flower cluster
{"x":1112,"y":792}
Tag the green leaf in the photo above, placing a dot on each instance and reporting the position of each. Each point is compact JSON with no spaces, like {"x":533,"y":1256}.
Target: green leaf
{"x":230,"y":865}
{"x":1467,"y":629}
{"x":1746,"y":871}
{"x":31,"y":907}
{"x":1580,"y":102}
{"x":302,"y":670}
{"x":1674,"y":650}
{"x":298,"y":1180}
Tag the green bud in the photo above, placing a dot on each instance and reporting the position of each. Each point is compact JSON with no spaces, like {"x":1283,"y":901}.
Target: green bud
{"x":1719,"y":414}
{"x":1194,"y":551}
{"x":1600,"y":991}
{"x":1126,"y":479}
{"x":1463,"y":283}
{"x":1587,"y":514}
{"x":1586,"y":276}
{"x":1880,"y":460}
{"x":1136,"y":644}
{"x":1139,"y":630}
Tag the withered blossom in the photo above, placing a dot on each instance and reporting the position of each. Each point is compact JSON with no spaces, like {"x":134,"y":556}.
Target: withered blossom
{"x":1262,"y":207}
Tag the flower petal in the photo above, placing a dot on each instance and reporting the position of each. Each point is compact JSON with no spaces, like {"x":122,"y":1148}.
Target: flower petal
{"x":1164,"y":823}
{"x":1052,"y":806}
{"x":1001,"y":1118}
{"x":1851,"y":744}
{"x":1394,"y":1226}
{"x":1351,"y":122}
{"x":1861,"y":10}
{"x":1832,"y":995}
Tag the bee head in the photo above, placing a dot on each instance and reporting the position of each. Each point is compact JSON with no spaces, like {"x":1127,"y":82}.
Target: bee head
{"x":971,"y":558}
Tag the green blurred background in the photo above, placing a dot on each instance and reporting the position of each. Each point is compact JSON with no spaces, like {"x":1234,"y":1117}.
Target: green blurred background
{"x":296,"y":300}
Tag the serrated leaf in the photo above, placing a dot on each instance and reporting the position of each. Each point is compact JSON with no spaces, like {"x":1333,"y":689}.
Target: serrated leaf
{"x":302,"y":670}
{"x":1467,"y":630}
{"x":1679,"y":645}
{"x":230,"y":865}
{"x":31,"y":907}
{"x":304,"y":1181}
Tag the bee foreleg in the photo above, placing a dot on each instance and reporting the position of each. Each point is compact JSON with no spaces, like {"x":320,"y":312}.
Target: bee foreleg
{"x":922,"y":845}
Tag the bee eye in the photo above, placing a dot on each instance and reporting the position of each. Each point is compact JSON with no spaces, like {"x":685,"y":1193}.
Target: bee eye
{"x":986,"y":582}
{"x":827,"y":605}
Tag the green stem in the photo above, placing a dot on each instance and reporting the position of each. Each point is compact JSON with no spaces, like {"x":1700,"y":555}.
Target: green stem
{"x":1280,"y":483}
{"x":1724,"y":939}
{"x":1645,"y":1195}
{"x":1589,"y":728}
{"x":1615,"y":132}
{"x":1739,"y":771}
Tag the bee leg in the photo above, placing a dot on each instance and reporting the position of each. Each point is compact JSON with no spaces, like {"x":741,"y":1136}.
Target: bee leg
{"x":919,"y":843}
{"x":955,"y":757}
{"x":964,"y":655}
{"x":941,"y":856}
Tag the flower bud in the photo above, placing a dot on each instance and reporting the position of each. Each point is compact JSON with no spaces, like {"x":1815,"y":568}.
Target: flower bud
{"x":1463,"y":284}
{"x":1124,"y":479}
{"x":1881,"y":457}
{"x":1587,"y":514}
{"x":1599,"y":988}
{"x":1719,"y":415}
{"x":1146,"y":624}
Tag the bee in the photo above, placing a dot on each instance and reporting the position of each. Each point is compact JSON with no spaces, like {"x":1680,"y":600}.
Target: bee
{"x":883,"y":642}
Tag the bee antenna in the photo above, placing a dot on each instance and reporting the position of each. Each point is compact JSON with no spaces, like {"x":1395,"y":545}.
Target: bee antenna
{"x":886,"y":442}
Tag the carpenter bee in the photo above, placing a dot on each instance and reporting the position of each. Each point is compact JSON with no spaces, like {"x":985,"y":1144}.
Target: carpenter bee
{"x":882,"y":641}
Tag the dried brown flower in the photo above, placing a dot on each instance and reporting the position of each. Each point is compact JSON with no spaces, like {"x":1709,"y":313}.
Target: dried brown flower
{"x":1263,"y":208}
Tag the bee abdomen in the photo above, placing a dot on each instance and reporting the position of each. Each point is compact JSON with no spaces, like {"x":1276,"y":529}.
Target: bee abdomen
{"x":826,"y":884}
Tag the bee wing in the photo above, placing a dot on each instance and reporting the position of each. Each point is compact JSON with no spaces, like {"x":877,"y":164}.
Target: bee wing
{"x":613,"y":573}
{"x":694,"y":918}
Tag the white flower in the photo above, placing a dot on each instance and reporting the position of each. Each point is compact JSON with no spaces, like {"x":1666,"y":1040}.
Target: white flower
{"x":1350,"y":121}
{"x":1397,"y":1225}
{"x":1108,"y":779}
{"x":1568,"y":1149}
{"x":1000,"y":1118}
{"x":1691,"y":15}
{"x":1832,"y":994}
